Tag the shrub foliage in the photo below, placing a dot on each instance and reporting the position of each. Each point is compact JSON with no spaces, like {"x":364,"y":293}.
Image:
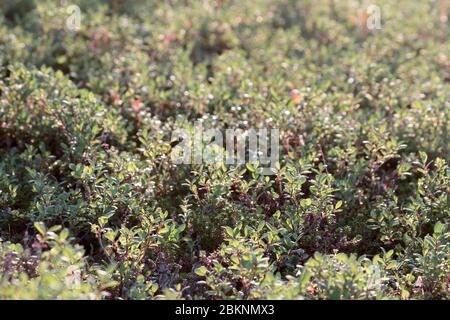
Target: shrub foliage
{"x":92,"y":206}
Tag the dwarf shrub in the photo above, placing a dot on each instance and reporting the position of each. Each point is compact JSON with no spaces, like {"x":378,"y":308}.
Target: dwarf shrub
{"x":93,"y":206}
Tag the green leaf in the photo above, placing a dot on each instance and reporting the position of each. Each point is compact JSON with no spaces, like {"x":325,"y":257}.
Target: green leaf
{"x":40,"y":226}
{"x":64,"y":234}
{"x":305,"y":202}
{"x":389,"y":254}
{"x":439,"y":228}
{"x":202,"y":271}
{"x":405,"y":294}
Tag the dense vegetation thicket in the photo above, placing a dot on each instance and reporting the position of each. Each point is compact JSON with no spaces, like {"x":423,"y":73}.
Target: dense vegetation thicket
{"x":92,"y":206}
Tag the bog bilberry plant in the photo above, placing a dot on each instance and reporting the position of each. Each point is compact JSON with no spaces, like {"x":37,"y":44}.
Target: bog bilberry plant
{"x":224,"y":149}
{"x":252,"y":147}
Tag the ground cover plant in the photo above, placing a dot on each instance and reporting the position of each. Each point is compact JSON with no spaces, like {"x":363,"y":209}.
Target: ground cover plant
{"x":93,"y":207}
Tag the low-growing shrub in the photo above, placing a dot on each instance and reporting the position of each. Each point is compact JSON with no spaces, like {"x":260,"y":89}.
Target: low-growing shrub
{"x":93,"y":206}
